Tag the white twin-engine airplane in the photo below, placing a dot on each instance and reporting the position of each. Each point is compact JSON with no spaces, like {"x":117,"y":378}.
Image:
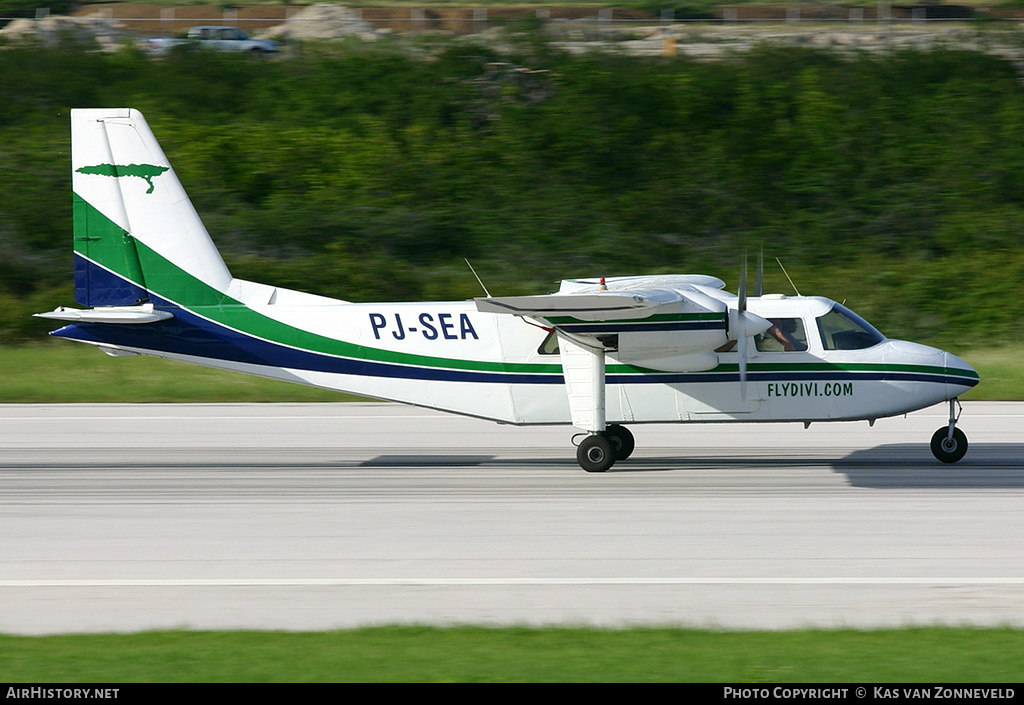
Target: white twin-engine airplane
{"x":599,"y":354}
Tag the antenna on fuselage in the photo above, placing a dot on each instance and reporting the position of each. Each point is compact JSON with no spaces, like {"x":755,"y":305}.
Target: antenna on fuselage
{"x":479,"y":280}
{"x":788,"y":277}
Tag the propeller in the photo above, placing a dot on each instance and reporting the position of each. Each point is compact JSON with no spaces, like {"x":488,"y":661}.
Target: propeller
{"x":759,"y":282}
{"x":741,"y":333}
{"x":746,"y":323}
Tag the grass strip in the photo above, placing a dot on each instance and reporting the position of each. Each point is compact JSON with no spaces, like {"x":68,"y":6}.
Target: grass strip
{"x":479,"y":654}
{"x":58,"y":372}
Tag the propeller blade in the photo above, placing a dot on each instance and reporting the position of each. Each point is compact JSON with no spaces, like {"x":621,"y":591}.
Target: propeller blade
{"x":759,"y":282}
{"x":741,"y":355}
{"x":741,"y":333}
{"x":742,"y":293}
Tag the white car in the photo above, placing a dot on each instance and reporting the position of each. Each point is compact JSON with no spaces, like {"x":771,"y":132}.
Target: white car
{"x":218,"y":38}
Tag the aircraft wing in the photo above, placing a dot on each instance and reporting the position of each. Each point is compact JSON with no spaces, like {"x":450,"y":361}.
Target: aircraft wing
{"x":598,"y":306}
{"x":657,"y":328}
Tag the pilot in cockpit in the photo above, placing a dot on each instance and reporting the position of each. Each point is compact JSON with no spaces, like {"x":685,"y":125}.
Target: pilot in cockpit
{"x":785,"y":335}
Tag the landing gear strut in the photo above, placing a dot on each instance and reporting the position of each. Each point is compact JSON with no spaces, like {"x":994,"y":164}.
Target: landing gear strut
{"x":599,"y":451}
{"x":949,"y":443}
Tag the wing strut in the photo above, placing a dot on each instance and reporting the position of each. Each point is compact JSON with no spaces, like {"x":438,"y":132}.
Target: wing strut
{"x":583,"y":368}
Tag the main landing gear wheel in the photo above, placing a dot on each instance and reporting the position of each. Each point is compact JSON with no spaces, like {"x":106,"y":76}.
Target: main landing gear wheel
{"x":595,"y":453}
{"x":949,"y":449}
{"x":622,"y":441}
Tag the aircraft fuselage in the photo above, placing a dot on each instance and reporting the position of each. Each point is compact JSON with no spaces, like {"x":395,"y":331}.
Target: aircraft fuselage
{"x":448,"y":355}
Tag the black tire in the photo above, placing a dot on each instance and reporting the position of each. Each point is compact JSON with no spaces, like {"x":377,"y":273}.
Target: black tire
{"x":949,"y":450}
{"x":595,"y":453}
{"x":622,"y":441}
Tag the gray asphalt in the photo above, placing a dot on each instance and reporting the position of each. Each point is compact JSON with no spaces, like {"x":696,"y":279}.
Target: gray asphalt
{"x":309,"y":517}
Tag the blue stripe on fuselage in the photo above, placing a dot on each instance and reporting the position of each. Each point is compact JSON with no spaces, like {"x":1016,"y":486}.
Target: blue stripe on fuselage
{"x":188,"y":334}
{"x":192,"y":335}
{"x":640,"y":327}
{"x":182,"y":336}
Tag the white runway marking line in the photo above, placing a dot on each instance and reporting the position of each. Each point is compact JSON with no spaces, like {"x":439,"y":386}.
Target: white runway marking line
{"x":427,"y":415}
{"x":454,"y":582}
{"x":224,"y":418}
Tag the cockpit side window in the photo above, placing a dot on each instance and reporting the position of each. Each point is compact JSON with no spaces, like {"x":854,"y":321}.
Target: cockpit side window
{"x":842,"y":329}
{"x":785,"y":335}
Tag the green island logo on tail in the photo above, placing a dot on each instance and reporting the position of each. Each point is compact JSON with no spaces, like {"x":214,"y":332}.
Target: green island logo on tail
{"x":143,"y":171}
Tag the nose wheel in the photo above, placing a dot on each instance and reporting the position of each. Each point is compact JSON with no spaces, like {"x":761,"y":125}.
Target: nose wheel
{"x":949,"y":443}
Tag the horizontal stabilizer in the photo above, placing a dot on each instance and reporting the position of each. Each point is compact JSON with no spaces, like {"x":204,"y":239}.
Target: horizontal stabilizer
{"x":603,"y":306}
{"x":110,"y":314}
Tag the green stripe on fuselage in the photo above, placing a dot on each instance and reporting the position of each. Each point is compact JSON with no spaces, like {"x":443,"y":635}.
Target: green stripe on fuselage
{"x":656,"y":318}
{"x":107,"y":245}
{"x":849,"y":367}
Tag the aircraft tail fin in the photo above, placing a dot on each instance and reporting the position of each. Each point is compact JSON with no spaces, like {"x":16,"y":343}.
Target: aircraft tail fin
{"x":137,"y":238}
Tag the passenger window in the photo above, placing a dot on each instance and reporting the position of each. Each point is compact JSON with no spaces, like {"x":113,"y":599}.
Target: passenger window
{"x":842,"y":329}
{"x":785,"y":335}
{"x":550,"y":345}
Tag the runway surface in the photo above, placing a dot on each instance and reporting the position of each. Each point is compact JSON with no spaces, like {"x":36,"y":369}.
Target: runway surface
{"x":311,"y":517}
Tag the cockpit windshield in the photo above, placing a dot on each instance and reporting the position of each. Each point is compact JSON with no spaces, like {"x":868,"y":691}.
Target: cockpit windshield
{"x":842,"y":329}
